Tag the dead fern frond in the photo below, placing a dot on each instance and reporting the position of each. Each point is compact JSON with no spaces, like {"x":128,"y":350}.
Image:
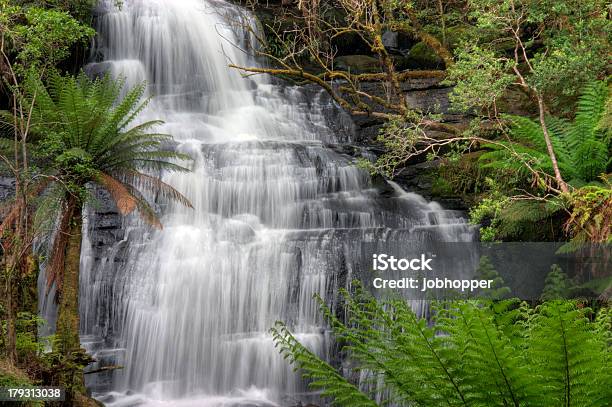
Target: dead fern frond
{"x":156,"y":185}
{"x":125,"y":201}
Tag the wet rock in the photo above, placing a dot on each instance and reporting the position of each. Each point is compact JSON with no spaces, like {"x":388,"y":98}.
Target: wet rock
{"x":357,"y":63}
{"x":384,"y":189}
{"x":236,"y":231}
{"x":390,"y":39}
{"x":7,"y":188}
{"x":429,"y":100}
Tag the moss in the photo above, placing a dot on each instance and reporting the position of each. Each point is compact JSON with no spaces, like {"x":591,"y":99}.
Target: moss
{"x":422,"y":56}
{"x":68,"y":309}
{"x":28,"y":292}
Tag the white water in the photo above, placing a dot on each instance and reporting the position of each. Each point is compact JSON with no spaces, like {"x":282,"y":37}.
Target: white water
{"x":277,"y":215}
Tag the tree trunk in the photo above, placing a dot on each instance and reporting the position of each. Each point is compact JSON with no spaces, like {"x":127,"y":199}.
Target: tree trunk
{"x":68,"y":311}
{"x":11,"y":329}
{"x":67,"y":327}
{"x":551,"y":151}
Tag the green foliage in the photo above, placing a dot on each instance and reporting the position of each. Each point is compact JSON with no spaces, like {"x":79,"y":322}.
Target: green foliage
{"x":40,"y":38}
{"x":85,"y":131}
{"x":79,"y":9}
{"x":590,"y":219}
{"x":556,"y":286}
{"x":472,"y":353}
{"x":11,"y":377}
{"x":48,"y":36}
{"x":322,"y":375}
{"x":399,"y":137}
{"x":479,"y":92}
{"x":576,"y":53}
{"x":7,"y":380}
{"x":27,"y":343}
{"x":582,"y":146}
{"x":554,"y":49}
{"x":587,"y":141}
{"x":486,"y":271}
{"x":603,"y":324}
{"x":487,"y":213}
{"x":464,"y":176}
{"x":504,"y":218}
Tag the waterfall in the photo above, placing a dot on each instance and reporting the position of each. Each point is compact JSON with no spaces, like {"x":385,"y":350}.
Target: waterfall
{"x":278,"y":216}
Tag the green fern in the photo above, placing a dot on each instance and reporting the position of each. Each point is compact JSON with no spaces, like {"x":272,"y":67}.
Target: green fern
{"x":322,"y":375}
{"x":556,"y":285}
{"x":85,"y":135}
{"x":84,"y":130}
{"x":471,"y":353}
{"x":572,"y":357}
{"x":581,"y":146}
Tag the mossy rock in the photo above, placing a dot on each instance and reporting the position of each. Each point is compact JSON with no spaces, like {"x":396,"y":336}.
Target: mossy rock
{"x":357,"y":63}
{"x":423,"y":57}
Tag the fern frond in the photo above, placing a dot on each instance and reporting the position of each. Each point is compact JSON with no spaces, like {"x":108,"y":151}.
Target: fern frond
{"x":494,"y":371}
{"x":125,"y":201}
{"x":145,"y":211}
{"x":528,"y":132}
{"x":154,"y":184}
{"x":321,"y":375}
{"x":566,"y":364}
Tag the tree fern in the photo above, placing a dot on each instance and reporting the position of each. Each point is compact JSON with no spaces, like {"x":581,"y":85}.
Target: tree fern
{"x":87,"y":121}
{"x":494,"y":371}
{"x":476,"y":353}
{"x":83,"y":129}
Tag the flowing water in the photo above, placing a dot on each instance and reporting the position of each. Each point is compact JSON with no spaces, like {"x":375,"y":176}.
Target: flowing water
{"x":278,"y":216}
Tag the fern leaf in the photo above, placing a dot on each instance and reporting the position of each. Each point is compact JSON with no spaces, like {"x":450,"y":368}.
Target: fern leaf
{"x":322,"y":375}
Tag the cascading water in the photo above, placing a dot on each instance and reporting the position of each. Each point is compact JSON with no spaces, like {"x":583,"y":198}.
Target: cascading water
{"x":276,"y":212}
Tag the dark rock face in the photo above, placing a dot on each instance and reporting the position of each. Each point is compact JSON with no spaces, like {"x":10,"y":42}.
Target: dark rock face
{"x":7,"y":188}
{"x":357,"y":63}
{"x":107,"y":226}
{"x":427,"y":95}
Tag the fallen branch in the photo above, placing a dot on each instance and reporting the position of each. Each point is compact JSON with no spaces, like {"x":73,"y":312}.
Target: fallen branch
{"x":104,"y":369}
